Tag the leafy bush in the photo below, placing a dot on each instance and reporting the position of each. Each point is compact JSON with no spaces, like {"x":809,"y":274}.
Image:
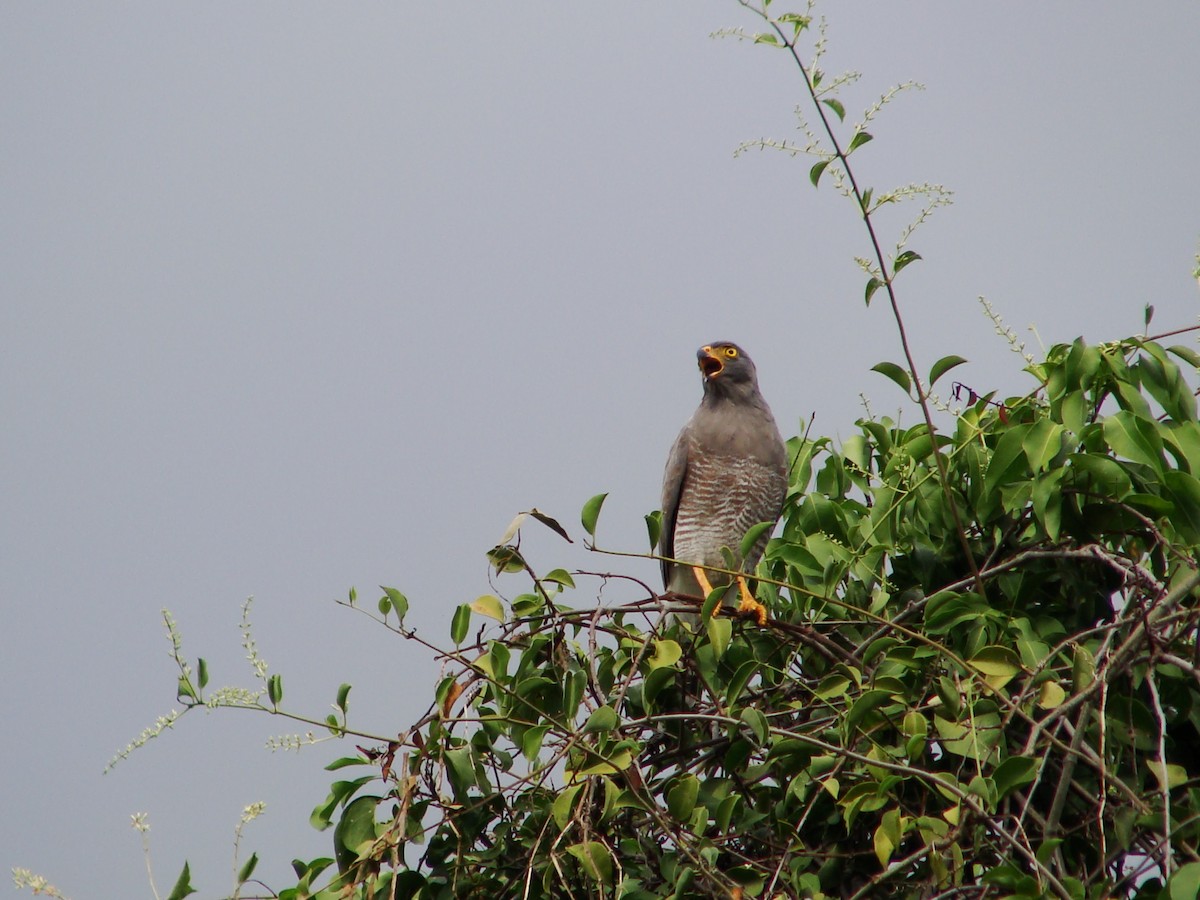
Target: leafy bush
{"x":977,"y":683}
{"x":1010,"y":703}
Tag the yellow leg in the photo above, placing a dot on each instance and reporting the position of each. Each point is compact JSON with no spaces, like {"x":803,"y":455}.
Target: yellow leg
{"x":749,"y":604}
{"x":702,"y":580}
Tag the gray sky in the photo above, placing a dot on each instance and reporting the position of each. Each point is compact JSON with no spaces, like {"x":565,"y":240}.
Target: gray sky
{"x":304,"y":296}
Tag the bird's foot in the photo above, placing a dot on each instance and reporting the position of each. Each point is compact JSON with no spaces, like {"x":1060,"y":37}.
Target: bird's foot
{"x":706,"y":587}
{"x":750,"y":605}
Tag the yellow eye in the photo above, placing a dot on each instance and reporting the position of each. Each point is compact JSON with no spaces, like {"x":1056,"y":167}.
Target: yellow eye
{"x":731,"y":352}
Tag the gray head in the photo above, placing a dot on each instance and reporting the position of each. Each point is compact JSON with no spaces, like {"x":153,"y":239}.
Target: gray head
{"x":728,"y":372}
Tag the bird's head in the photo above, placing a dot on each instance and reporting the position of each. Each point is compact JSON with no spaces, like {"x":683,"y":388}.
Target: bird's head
{"x":726,"y":368}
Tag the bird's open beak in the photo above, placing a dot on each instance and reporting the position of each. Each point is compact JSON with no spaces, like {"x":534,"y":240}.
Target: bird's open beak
{"x":710,"y":365}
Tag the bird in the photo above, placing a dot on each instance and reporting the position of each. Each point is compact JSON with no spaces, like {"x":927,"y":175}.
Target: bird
{"x":727,"y":471}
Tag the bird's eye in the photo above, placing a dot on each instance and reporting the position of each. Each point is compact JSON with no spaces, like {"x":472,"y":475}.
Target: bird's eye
{"x":731,"y":352}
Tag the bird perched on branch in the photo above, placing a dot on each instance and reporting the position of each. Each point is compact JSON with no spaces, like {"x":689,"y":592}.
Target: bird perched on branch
{"x":727,"y":471}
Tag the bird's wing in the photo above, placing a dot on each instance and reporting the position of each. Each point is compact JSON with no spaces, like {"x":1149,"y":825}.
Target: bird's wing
{"x":673,"y":478}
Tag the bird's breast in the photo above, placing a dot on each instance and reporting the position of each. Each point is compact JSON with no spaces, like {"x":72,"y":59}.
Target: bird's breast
{"x":722,"y":498}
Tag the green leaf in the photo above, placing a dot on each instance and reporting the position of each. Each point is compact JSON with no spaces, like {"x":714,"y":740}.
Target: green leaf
{"x":1184,"y":491}
{"x":873,"y":284}
{"x":591,"y":512}
{"x":339,"y":793}
{"x":506,"y":558}
{"x":681,"y":799}
{"x":343,"y":695}
{"x":490,"y":606}
{"x":974,"y":738}
{"x":798,"y":22}
{"x":1186,"y":353}
{"x":818,"y":169}
{"x":275,"y":689}
{"x":758,"y":724}
{"x":1043,"y":443}
{"x":460,"y":623}
{"x":1074,"y":411}
{"x":720,"y":630}
{"x":1046,"y":851}
{"x":618,"y":762}
{"x":1048,"y":501}
{"x":573,"y":688}
{"x":654,"y":529}
{"x":355,"y":831}
{"x":322,"y":814}
{"x":895,"y":373}
{"x":1051,"y":695}
{"x":201,"y":673}
{"x":1185,"y":883}
{"x":887,"y":836}
{"x":902,"y":260}
{"x":247,"y":870}
{"x":1083,"y":668}
{"x":740,"y":679}
{"x":345,"y":761}
{"x":594,"y":859}
{"x":1135,"y":438}
{"x":1164,"y":382}
{"x":460,"y":770}
{"x":860,"y":138}
{"x":1014,"y":772}
{"x":768,"y":39}
{"x":832,"y":686}
{"x":998,"y":665}
{"x":950,"y":696}
{"x":869,"y":701}
{"x":531,"y":741}
{"x":184,"y":689}
{"x":1008,"y":461}
{"x":1101,"y":475}
{"x":603,"y":719}
{"x":836,"y":105}
{"x":752,"y":536}
{"x":397,"y":601}
{"x":712,"y":601}
{"x":1170,"y":775}
{"x":183,"y":885}
{"x":564,"y":805}
{"x":1129,"y":396}
{"x":942,"y":366}
{"x":666,"y":653}
{"x":560,"y":576}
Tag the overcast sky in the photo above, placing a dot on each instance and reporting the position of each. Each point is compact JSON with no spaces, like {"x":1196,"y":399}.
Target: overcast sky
{"x":303,"y":296}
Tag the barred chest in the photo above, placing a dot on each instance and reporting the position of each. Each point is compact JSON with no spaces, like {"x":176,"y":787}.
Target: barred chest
{"x":722,"y":498}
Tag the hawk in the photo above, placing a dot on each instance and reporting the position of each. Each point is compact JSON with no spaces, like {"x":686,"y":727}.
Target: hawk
{"x":727,"y":471}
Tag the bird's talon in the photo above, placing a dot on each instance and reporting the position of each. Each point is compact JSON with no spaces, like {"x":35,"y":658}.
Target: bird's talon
{"x":750,"y":605}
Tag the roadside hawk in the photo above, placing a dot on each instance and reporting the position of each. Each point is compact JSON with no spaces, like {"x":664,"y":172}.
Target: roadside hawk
{"x":728,"y":471}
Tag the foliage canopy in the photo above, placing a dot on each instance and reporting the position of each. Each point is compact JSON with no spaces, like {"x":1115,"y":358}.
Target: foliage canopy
{"x":911,"y":720}
{"x":986,"y":685}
